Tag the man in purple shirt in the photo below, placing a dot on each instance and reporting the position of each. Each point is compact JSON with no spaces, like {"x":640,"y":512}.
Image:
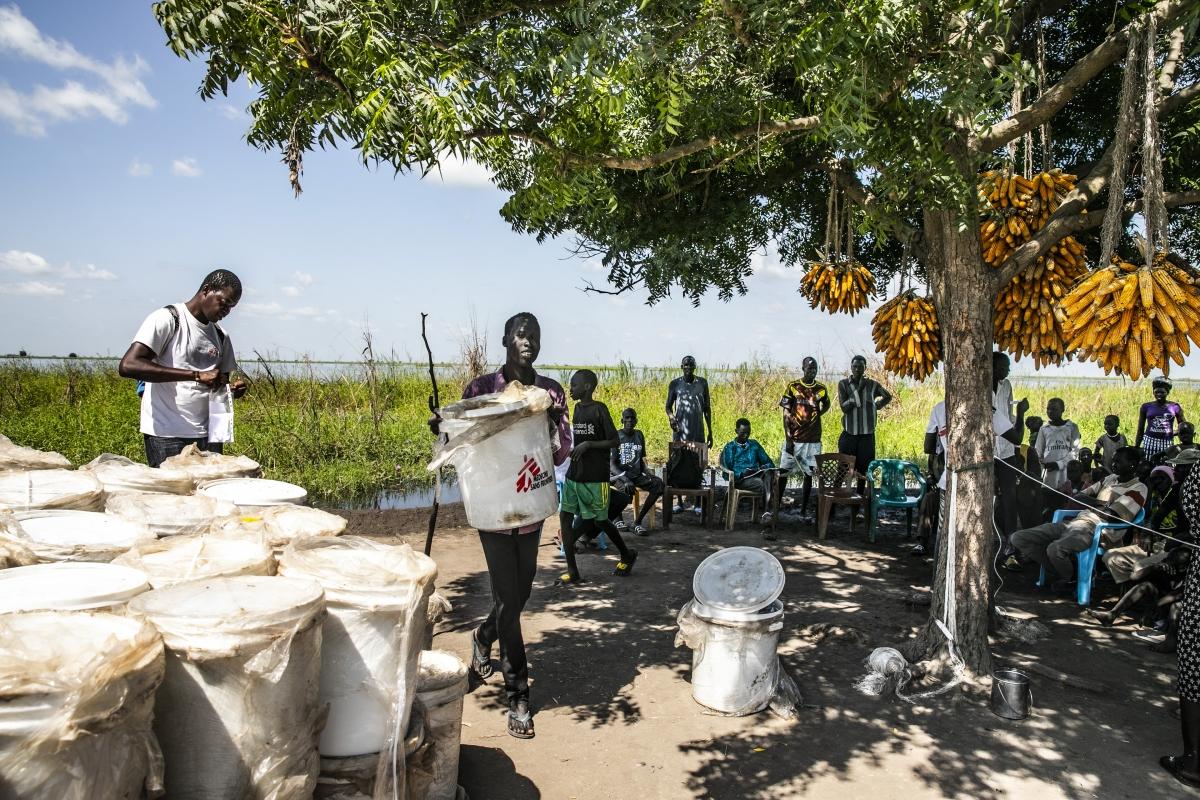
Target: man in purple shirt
{"x":511,"y":555}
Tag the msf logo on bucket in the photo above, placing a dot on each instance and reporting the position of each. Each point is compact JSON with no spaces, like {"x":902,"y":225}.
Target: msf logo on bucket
{"x":531,"y":476}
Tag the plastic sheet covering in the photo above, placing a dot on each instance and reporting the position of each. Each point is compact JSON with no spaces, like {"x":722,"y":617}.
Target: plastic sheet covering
{"x":279,"y":525}
{"x":471,"y":421}
{"x":173,"y":515}
{"x":80,"y":535}
{"x":50,"y":488}
{"x":371,"y":591}
{"x":16,"y":457}
{"x":441,"y":684}
{"x":14,"y":550}
{"x":120,"y":475}
{"x":751,"y":687}
{"x":237,"y":715}
{"x":178,"y":559}
{"x":76,"y":699}
{"x":205,"y":466}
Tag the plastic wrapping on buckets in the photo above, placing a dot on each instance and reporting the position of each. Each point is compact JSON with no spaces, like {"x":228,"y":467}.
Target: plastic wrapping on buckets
{"x":178,"y":559}
{"x":68,"y":586}
{"x":78,"y":695}
{"x":738,"y":579}
{"x":80,"y":535}
{"x":51,"y":488}
{"x":16,"y":457}
{"x":120,"y":475}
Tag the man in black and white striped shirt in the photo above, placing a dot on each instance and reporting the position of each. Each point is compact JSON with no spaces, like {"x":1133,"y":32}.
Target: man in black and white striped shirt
{"x":860,"y":399}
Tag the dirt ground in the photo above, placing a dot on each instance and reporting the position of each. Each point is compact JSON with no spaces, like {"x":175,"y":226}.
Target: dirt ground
{"x":616,"y":719}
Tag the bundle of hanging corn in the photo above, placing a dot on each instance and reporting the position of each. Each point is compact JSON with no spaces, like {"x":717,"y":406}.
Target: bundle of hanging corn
{"x":843,"y":285}
{"x":905,"y":329}
{"x":1132,"y":320}
{"x":1025,"y":323}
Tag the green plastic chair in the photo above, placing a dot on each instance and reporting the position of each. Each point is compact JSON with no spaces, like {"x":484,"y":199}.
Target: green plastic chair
{"x":888,"y":487}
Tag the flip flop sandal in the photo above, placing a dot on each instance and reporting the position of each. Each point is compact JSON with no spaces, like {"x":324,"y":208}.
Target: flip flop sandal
{"x":566,"y":579}
{"x":624,"y":567}
{"x":1173,"y":765}
{"x":520,"y":727}
{"x":481,"y":660}
{"x":639,"y":530}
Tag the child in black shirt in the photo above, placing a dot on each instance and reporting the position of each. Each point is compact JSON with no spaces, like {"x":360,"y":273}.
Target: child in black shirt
{"x":585,"y":490}
{"x":629,"y":473}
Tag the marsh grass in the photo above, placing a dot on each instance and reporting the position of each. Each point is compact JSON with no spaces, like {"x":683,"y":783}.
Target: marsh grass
{"x":349,"y":432}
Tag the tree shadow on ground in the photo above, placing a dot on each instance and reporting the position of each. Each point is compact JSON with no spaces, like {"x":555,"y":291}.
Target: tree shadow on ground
{"x":844,"y":597}
{"x":488,"y":772}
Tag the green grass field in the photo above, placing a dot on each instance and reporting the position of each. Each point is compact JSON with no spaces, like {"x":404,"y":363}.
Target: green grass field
{"x":350,"y":431}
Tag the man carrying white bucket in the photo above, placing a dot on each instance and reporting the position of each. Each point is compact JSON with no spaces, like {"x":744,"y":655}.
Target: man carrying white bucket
{"x":511,"y":555}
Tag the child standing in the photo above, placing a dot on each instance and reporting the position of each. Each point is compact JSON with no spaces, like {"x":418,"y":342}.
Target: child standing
{"x":1057,"y":443}
{"x":1158,"y":420}
{"x":585,"y":490}
{"x":1110,"y":441}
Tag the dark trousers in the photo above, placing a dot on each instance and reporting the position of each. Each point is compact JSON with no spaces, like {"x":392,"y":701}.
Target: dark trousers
{"x":1007,"y":509}
{"x":512,"y":562}
{"x":160,"y":448}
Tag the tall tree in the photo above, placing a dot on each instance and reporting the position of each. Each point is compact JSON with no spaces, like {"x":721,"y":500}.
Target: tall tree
{"x":676,"y":138}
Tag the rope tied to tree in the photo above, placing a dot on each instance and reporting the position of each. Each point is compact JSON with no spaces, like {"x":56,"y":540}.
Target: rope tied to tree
{"x":1154,"y":206}
{"x":1110,"y":231}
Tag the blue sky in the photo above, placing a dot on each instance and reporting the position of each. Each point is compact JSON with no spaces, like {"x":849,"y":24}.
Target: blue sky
{"x":122,"y":189}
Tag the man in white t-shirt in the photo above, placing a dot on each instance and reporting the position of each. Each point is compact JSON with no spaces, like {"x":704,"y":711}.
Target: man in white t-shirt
{"x":182,"y":355}
{"x":1006,"y":509}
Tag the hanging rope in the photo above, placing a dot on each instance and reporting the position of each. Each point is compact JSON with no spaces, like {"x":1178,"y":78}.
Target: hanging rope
{"x":1154,"y":207}
{"x":1014,"y":107}
{"x":848,"y":210}
{"x":1110,"y":232}
{"x":1047,"y":149}
{"x":831,"y":220}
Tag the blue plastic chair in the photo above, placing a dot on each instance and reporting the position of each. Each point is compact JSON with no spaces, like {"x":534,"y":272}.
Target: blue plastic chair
{"x":1085,"y":560}
{"x":887,"y":487}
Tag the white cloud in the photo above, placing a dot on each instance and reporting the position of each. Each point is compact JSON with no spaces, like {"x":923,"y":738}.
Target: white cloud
{"x":140,"y":169}
{"x":24,"y":262}
{"x":767,"y":264}
{"x":277,"y":310}
{"x":30,"y":112}
{"x":33,"y":289}
{"x":300,"y":282}
{"x":28,"y":263}
{"x":87,"y":272}
{"x":186,"y":168}
{"x":454,"y":171}
{"x":231,"y":112}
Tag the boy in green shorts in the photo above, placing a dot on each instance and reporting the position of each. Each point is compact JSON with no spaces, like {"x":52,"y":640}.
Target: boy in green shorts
{"x":585,"y":490}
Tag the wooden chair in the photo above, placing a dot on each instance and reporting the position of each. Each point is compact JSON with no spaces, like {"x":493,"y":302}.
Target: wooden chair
{"x":705,"y":493}
{"x":637,"y":506}
{"x":836,"y":486}
{"x":734,"y":496}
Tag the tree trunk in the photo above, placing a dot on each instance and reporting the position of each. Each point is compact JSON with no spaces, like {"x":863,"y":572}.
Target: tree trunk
{"x":964,"y":296}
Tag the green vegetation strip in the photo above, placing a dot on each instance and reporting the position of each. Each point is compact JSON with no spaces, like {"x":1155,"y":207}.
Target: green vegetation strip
{"x":350,"y":434}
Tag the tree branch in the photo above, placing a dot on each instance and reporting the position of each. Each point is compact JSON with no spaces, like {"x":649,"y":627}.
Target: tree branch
{"x":1080,"y":74}
{"x":1057,"y":229}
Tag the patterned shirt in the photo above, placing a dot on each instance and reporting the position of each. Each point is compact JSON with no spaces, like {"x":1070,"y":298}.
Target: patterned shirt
{"x":802,"y":423}
{"x":1122,"y":499}
{"x":1161,"y":419}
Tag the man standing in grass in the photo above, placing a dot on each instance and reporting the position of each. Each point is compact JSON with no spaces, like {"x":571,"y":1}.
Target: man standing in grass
{"x":182,"y":355}
{"x":860,"y":399}
{"x":803,"y":404}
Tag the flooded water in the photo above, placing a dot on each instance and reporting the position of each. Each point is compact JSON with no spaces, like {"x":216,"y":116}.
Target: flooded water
{"x":395,"y":499}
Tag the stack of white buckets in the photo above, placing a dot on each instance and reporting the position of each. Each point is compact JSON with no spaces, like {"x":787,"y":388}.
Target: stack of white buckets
{"x":732,"y":627}
{"x":250,"y":665}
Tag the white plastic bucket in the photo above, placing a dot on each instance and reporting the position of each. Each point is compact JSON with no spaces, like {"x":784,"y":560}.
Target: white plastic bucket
{"x":51,"y":488}
{"x":238,"y":715}
{"x":500,"y":448}
{"x":77,"y":698}
{"x":279,"y":525}
{"x":172,"y":515}
{"x":69,"y":586}
{"x":249,"y":493}
{"x":441,"y":684}
{"x":80,"y":535}
{"x":18,"y":457}
{"x":178,"y":559}
{"x":377,"y":596}
{"x":736,"y":669}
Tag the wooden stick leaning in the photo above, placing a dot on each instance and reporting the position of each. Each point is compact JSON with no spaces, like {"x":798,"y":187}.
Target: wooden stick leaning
{"x":434,"y":405}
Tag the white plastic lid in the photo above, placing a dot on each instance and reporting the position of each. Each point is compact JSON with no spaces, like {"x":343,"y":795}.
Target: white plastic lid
{"x":68,"y":586}
{"x":83,"y":529}
{"x":45,"y":487}
{"x":438,"y":669}
{"x":358,"y":571}
{"x":738,"y":579}
{"x":222,"y":615}
{"x":254,"y":491}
